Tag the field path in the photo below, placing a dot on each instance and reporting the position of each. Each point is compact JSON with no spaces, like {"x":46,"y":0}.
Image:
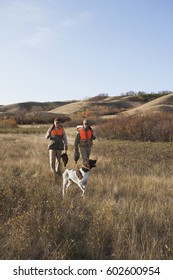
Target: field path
{"x":70,"y":133}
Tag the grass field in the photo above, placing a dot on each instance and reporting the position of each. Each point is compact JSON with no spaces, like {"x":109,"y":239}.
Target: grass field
{"x":126,"y":214}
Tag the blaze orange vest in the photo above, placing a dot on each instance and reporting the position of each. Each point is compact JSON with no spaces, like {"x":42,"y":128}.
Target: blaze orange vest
{"x":83,"y":133}
{"x":57,"y":132}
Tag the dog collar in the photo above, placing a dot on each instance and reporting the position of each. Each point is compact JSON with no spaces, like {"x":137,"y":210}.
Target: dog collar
{"x":85,"y":168}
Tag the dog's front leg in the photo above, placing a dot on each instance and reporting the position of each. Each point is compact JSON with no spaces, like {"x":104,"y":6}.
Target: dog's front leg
{"x":63,"y":190}
{"x":69,"y":183}
{"x":83,"y":188}
{"x":65,"y":187}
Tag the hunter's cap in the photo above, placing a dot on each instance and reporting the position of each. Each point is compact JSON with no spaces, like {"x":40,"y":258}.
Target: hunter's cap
{"x":57,"y":120}
{"x":86,"y":121}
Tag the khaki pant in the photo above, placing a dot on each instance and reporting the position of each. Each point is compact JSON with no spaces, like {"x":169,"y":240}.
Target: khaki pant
{"x":54,"y":159}
{"x":85,"y":153}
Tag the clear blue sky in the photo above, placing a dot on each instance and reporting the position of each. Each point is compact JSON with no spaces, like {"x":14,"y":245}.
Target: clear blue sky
{"x":55,"y":50}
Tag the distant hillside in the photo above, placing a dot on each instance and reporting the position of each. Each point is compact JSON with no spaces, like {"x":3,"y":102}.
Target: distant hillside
{"x":31,"y":106}
{"x":29,"y":112}
{"x":162,"y":104}
{"x":97,"y":106}
{"x":109,"y":102}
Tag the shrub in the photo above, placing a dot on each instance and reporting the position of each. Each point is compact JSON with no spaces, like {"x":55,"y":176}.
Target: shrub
{"x":8,"y":122}
{"x":156,"y":127}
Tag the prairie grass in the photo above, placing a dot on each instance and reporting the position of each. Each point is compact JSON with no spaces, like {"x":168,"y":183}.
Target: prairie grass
{"x":126,"y":214}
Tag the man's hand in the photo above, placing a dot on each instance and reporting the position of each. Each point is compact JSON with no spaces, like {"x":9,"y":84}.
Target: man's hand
{"x":66,"y":148}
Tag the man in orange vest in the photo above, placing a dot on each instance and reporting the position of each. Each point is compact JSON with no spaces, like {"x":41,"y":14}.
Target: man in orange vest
{"x":83,"y":140}
{"x":57,"y":143}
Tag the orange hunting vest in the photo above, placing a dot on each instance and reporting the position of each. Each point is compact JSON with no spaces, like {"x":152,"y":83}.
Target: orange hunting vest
{"x":57,"y":132}
{"x":83,"y":133}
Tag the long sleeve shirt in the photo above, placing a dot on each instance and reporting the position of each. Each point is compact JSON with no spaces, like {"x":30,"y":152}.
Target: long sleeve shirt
{"x":64,"y":137}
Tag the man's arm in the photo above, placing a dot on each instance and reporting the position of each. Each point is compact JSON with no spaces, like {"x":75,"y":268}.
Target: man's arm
{"x":48,"y":133}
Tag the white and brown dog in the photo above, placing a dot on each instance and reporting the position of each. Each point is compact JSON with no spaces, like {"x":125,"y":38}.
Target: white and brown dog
{"x":79,"y":177}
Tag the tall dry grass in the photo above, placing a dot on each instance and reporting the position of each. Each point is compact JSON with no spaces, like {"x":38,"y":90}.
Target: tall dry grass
{"x":127,"y":212}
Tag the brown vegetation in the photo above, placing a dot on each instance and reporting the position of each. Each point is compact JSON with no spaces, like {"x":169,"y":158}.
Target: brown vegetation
{"x":153,"y":127}
{"x":127,"y":212}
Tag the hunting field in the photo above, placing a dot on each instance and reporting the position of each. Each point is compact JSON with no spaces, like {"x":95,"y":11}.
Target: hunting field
{"x":126,"y":214}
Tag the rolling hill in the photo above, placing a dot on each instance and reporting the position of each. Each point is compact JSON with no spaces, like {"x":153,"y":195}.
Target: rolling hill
{"x":162,"y":104}
{"x":31,"y":106}
{"x":110,"y":102}
{"x":29,"y":110}
{"x":46,"y":111}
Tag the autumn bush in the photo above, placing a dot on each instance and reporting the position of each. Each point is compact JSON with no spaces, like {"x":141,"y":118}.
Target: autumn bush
{"x":8,"y":122}
{"x":94,"y":114}
{"x":100,"y":110}
{"x":154,"y":127}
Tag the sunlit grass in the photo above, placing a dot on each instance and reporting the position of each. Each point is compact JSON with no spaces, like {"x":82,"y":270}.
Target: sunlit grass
{"x":126,"y":214}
